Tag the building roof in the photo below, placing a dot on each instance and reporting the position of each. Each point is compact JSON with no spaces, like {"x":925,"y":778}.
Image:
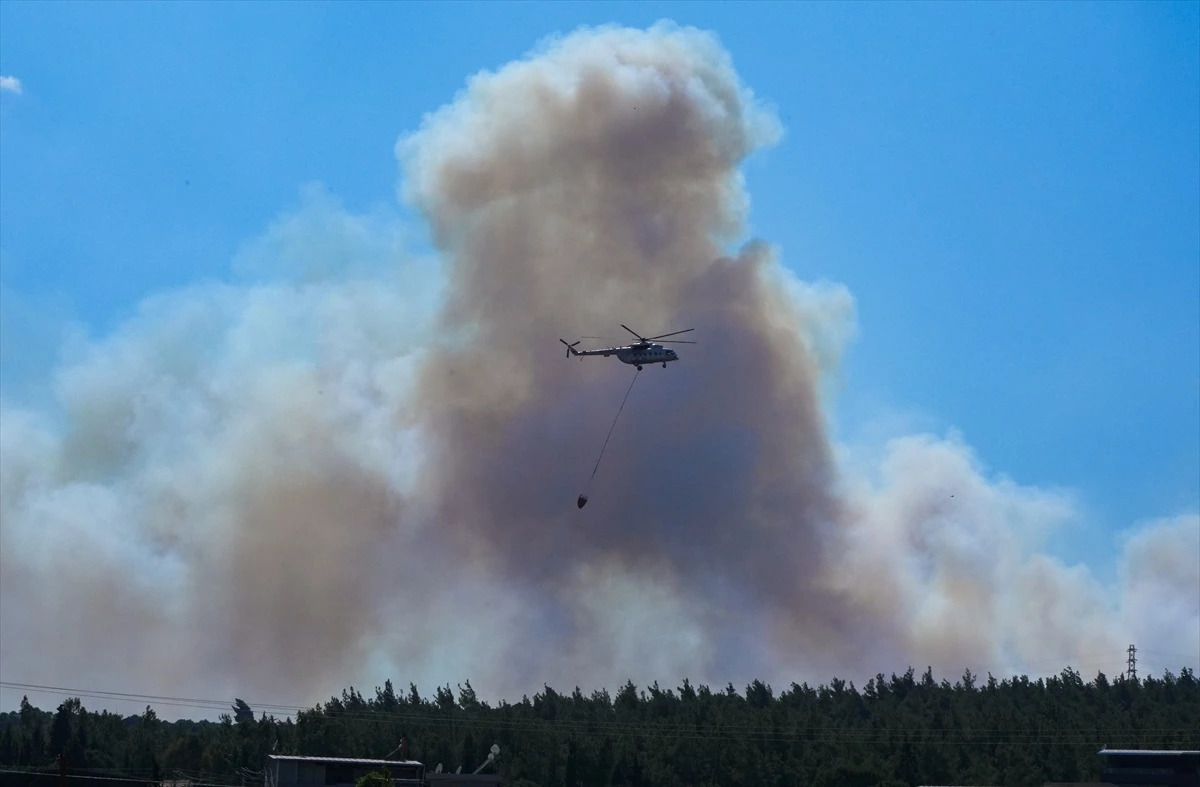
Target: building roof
{"x":1151,"y":752}
{"x":341,"y":760}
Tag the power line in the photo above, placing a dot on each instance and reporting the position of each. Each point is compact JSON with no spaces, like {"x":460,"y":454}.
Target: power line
{"x":191,"y":702}
{"x":765,"y":730}
{"x":288,"y":709}
{"x":126,"y":779}
{"x":293,"y":709}
{"x":498,"y":719}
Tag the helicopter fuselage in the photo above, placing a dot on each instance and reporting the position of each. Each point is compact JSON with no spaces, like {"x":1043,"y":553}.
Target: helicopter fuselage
{"x":646,"y":350}
{"x":635,"y":355}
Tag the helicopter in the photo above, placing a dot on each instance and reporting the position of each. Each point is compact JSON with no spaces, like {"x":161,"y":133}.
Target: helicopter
{"x":645,"y":350}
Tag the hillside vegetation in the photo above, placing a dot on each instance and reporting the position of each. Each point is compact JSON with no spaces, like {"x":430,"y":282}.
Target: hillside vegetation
{"x":902,"y":730}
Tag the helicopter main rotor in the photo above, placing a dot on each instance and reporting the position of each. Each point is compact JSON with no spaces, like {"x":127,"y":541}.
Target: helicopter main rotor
{"x":647,"y":340}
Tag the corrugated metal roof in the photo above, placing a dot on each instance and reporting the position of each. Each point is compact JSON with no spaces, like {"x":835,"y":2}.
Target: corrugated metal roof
{"x":1151,"y":752}
{"x":342,"y":760}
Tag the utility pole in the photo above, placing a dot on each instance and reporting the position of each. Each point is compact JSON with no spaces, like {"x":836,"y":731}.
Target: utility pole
{"x":1131,"y":668}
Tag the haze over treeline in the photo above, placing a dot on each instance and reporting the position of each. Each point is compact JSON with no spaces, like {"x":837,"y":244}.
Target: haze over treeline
{"x":906,"y":729}
{"x":351,"y":460}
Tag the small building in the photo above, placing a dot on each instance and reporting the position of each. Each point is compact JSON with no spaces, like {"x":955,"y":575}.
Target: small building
{"x":295,"y":771}
{"x":1151,"y":768}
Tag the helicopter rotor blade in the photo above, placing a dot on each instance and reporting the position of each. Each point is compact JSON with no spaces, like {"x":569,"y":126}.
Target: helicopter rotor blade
{"x":677,"y":341}
{"x":635,"y":333}
{"x":673,"y":333}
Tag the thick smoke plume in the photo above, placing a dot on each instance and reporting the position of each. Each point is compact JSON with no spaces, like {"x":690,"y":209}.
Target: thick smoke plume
{"x":354,"y":464}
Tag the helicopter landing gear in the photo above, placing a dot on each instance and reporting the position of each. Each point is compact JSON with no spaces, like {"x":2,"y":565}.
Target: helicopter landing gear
{"x":639,"y":368}
{"x":664,"y":364}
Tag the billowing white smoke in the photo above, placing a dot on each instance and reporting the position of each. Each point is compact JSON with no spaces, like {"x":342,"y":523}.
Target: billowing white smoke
{"x":352,"y":463}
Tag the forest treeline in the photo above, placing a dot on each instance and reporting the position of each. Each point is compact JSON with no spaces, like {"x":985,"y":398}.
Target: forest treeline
{"x":902,"y":730}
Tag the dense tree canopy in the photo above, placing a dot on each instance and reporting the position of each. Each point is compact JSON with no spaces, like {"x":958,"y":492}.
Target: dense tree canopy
{"x":902,"y":730}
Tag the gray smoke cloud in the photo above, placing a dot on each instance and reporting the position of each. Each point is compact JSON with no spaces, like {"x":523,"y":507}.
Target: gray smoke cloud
{"x":353,"y":463}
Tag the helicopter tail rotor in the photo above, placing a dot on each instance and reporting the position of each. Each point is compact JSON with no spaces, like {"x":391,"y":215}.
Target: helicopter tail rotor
{"x":570,"y":348}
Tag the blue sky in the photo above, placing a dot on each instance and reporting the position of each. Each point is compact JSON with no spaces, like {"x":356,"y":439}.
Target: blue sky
{"x":1010,"y":191}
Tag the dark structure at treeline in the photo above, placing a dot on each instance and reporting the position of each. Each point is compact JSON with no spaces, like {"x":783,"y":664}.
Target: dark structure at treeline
{"x":906,"y":730}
